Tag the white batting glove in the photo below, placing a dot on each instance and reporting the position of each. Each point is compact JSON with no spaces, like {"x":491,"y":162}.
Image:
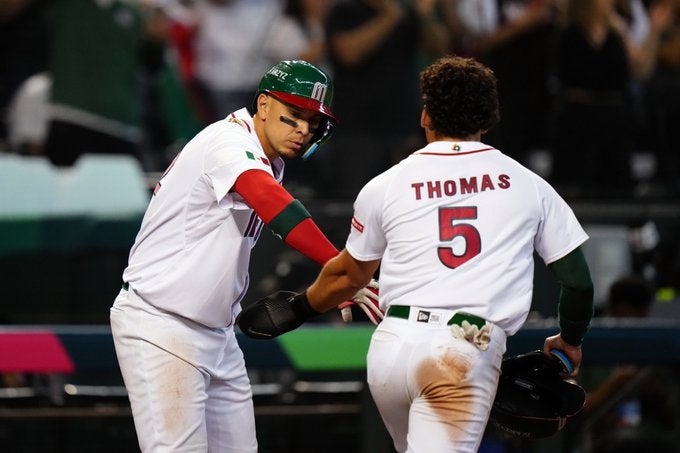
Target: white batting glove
{"x":367,"y":299}
{"x":473,"y":334}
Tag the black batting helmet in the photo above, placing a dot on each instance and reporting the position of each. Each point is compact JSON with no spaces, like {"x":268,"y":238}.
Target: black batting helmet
{"x":532,"y":400}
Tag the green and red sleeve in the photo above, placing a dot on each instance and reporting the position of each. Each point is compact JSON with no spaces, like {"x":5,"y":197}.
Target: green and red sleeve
{"x":284,"y":215}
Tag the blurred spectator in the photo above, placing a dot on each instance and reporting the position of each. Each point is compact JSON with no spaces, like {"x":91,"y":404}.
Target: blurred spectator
{"x":445,"y":32}
{"x":597,"y":62}
{"x":629,"y":297}
{"x":516,"y":38}
{"x":23,"y":48}
{"x":27,"y":119}
{"x":662,"y":107}
{"x":478,"y":18}
{"x":666,"y":304}
{"x":99,"y":51}
{"x":630,"y":408}
{"x":228,"y":43}
{"x":299,"y":33}
{"x":183,"y":23}
{"x":375,"y":46}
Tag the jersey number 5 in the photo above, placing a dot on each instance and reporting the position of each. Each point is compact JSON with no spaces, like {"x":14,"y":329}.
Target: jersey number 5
{"x":450,"y":230}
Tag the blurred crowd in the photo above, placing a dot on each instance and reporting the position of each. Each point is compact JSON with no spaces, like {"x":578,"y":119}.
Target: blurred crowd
{"x":590,"y":89}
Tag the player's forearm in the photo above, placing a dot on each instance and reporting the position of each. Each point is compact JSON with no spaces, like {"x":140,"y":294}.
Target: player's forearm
{"x":576,"y":296}
{"x":339,"y":280}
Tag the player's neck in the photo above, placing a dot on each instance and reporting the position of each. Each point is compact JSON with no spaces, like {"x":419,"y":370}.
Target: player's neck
{"x":444,"y":138}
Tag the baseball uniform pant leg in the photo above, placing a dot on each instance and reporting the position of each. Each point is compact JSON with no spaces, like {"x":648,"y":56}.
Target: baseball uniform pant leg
{"x":181,"y":400}
{"x":230,"y":415}
{"x":434,"y":392}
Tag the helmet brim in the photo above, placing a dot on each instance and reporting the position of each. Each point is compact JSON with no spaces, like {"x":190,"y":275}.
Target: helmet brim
{"x":303,"y":103}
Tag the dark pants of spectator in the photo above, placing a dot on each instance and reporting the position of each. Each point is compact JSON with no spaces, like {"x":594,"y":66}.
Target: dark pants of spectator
{"x":593,"y":146}
{"x":66,"y":142}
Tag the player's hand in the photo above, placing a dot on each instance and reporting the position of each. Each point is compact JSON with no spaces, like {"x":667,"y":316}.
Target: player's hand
{"x":367,"y":299}
{"x":573,"y":353}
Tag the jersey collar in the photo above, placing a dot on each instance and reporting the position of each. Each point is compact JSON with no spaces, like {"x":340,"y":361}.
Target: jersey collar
{"x":453,"y":148}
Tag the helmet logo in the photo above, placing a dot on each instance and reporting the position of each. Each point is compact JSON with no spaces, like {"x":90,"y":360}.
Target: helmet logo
{"x":278,"y":73}
{"x":319,"y":91}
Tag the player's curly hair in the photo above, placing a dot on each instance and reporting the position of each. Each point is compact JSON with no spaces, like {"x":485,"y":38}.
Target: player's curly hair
{"x":460,"y":95}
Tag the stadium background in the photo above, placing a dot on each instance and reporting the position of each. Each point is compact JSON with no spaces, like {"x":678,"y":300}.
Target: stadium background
{"x":60,"y":270}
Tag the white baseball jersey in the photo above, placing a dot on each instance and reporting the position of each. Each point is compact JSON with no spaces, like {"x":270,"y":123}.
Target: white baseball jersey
{"x":192,"y":252}
{"x":456,"y":225}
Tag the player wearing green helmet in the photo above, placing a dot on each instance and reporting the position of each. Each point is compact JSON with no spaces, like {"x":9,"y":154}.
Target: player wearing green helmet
{"x":303,"y":85}
{"x":173,"y":320}
{"x":299,"y":83}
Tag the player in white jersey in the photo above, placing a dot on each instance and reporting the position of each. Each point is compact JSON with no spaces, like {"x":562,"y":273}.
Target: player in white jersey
{"x":173,"y":321}
{"x":453,"y":229}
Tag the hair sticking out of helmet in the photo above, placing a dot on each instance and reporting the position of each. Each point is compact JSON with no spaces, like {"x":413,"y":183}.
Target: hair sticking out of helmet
{"x":303,"y":85}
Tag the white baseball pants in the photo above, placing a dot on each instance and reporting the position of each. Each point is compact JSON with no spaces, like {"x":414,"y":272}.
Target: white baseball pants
{"x":187,"y":383}
{"x":434,"y":392}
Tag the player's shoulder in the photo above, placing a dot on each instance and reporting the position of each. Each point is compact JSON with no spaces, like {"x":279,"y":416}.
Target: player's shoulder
{"x":530,"y":180}
{"x":232,"y":129}
{"x":521,"y":169}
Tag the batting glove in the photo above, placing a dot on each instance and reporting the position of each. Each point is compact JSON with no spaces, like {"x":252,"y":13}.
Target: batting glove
{"x":367,"y":299}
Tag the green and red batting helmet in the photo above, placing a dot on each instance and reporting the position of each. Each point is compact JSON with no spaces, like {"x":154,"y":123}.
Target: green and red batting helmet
{"x":303,"y":85}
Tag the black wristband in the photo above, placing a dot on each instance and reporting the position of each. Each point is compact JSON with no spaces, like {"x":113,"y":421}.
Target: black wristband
{"x":300,"y":306}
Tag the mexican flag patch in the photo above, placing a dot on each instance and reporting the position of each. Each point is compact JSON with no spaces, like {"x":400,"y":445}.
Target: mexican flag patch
{"x":252,"y":156}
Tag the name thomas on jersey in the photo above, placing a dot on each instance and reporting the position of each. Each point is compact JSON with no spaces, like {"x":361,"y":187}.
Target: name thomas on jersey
{"x":450,"y":187}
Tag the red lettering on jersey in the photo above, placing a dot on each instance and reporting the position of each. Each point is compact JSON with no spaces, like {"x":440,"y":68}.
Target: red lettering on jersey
{"x":450,"y":188}
{"x":417,"y":186}
{"x":503,"y":181}
{"x":434,"y":189}
{"x":356,"y":224}
{"x":486,"y":183}
{"x":468,"y":186}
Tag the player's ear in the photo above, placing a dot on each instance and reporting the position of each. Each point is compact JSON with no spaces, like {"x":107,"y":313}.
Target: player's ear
{"x":425,"y":119}
{"x":263,"y":105}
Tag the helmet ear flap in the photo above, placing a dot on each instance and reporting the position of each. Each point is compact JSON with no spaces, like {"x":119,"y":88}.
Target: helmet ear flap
{"x":322,"y":134}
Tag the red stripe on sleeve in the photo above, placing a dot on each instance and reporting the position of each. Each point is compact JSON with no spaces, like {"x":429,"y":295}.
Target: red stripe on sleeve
{"x":268,"y":198}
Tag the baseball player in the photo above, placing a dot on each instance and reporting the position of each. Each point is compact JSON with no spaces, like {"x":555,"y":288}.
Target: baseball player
{"x":173,"y":320}
{"x":453,"y":228}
